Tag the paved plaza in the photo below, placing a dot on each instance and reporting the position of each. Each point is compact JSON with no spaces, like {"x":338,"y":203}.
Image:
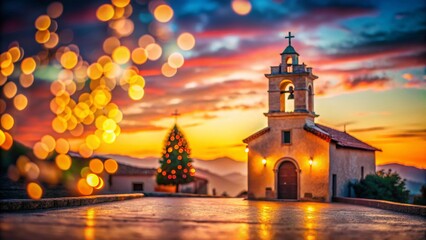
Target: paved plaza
{"x":212,"y":218}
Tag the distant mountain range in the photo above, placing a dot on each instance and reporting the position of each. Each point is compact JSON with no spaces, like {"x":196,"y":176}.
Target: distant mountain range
{"x":415,"y":177}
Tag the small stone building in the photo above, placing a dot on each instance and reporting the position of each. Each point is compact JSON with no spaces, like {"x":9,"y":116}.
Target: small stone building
{"x":137,"y":179}
{"x":294,"y":157}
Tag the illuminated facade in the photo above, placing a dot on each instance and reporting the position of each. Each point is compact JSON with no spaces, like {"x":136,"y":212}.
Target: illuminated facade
{"x":293,"y":157}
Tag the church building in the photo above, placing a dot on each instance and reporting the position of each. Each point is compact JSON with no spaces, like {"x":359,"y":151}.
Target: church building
{"x":293,"y":157}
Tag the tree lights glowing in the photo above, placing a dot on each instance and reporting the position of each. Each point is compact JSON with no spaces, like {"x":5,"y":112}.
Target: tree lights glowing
{"x":176,"y":166}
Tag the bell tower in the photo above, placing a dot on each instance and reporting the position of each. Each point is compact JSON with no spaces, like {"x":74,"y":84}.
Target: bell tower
{"x":291,"y":86}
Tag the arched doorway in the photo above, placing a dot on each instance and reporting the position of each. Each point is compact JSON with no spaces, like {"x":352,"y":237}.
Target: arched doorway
{"x":287,"y":180}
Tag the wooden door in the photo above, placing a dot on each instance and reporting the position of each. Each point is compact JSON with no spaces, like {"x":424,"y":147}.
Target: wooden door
{"x":287,"y":181}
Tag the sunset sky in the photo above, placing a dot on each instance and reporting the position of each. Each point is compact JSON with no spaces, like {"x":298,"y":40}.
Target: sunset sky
{"x":370,"y":57}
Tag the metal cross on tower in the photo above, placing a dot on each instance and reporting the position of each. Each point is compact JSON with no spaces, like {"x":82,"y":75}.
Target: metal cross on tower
{"x":289,"y":38}
{"x":176,"y":114}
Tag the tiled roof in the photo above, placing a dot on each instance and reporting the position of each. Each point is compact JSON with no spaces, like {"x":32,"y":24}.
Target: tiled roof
{"x":124,"y":169}
{"x":342,"y":139}
{"x":256,"y":134}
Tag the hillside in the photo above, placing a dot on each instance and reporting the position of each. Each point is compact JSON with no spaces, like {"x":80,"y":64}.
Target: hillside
{"x":415,"y":177}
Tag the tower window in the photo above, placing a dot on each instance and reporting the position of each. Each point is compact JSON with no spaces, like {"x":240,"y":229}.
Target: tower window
{"x":286,"y":137}
{"x":289,"y":62}
{"x":362,"y":172}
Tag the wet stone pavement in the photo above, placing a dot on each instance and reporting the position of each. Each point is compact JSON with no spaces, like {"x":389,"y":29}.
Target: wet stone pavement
{"x":212,"y":218}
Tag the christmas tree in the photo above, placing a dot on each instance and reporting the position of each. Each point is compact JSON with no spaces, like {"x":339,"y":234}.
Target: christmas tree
{"x":176,"y":166}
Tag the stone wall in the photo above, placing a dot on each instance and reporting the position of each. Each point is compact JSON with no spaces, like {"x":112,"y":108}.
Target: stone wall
{"x":346,"y":163}
{"x":387,"y":205}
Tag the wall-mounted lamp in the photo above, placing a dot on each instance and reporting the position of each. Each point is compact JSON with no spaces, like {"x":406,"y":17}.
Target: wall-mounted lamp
{"x":311,"y":161}
{"x":247,"y":149}
{"x":264,"y":162}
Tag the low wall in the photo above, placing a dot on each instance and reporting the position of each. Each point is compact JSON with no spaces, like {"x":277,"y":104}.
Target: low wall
{"x":11,"y":205}
{"x":387,"y":205}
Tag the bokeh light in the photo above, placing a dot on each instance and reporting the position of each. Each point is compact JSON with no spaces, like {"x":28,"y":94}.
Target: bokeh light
{"x":10,"y":89}
{"x":28,"y":65}
{"x":69,"y":60}
{"x":42,"y":22}
{"x":20,"y":102}
{"x":186,"y":41}
{"x":175,"y":60}
{"x":84,"y":188}
{"x":34,"y":191}
{"x":241,"y":7}
{"x":96,"y":166}
{"x":63,"y":161}
{"x":62,"y":146}
{"x":154,"y":51}
{"x":105,"y":12}
{"x":121,"y":55}
{"x":163,"y":13}
{"x":111,"y":166}
{"x":92,"y":179}
{"x":167,"y":70}
{"x":7,"y":121}
{"x":139,"y":55}
{"x":55,"y":9}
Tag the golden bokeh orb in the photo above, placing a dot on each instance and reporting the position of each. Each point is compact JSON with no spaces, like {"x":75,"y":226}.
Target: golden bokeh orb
{"x":62,"y":146}
{"x":241,"y":7}
{"x":69,"y":59}
{"x":63,"y":161}
{"x":186,"y":41}
{"x":92,"y":179}
{"x":139,"y":55}
{"x":105,"y":12}
{"x":42,"y":36}
{"x":96,"y":166}
{"x":28,"y":65}
{"x":20,"y":102}
{"x":121,"y":55}
{"x":93,"y":141}
{"x":49,"y":141}
{"x":42,"y":22}
{"x":15,"y":53}
{"x":84,"y":188}
{"x":120,"y":3}
{"x":2,"y":137}
{"x":136,"y":92}
{"x":10,"y":89}
{"x":111,"y":166}
{"x":7,"y":121}
{"x":154,"y":51}
{"x":175,"y":60}
{"x":167,"y":70}
{"x":94,"y":71}
{"x":26,"y":80}
{"x":163,"y":13}
{"x":109,"y":137}
{"x":40,"y":150}
{"x":34,"y":191}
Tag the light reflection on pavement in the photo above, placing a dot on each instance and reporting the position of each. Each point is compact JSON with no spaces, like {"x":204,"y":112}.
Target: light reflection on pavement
{"x":212,"y":218}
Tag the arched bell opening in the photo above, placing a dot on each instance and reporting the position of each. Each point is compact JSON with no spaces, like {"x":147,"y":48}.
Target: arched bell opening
{"x":286,"y":96}
{"x":289,"y":62}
